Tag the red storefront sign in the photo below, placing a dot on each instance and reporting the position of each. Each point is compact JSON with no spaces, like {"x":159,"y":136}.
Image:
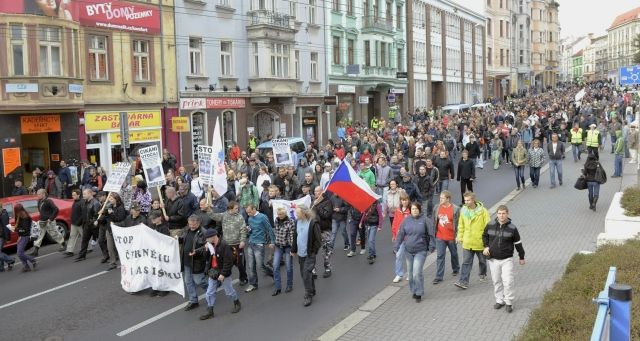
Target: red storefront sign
{"x":119,"y":15}
{"x":212,"y":103}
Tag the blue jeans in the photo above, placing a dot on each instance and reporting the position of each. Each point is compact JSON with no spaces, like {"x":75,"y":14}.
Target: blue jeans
{"x":227,"y":284}
{"x":4,"y":258}
{"x":277,"y":255}
{"x":594,"y":188}
{"x":555,"y":166}
{"x":342,"y":227}
{"x":415,"y":263}
{"x":576,"y":152}
{"x":371,"y":239}
{"x":519,"y":170}
{"x":353,"y":235}
{"x":443,"y":185}
{"x":534,"y":173}
{"x":399,"y":258}
{"x":467,"y":264}
{"x":192,"y":281}
{"x":613,"y":142}
{"x":255,"y":259}
{"x":617,"y":166}
{"x":24,"y":258}
{"x":441,"y":247}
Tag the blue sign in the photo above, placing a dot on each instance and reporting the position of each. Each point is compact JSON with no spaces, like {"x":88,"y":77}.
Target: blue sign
{"x":76,"y":88}
{"x":21,"y":87}
{"x":630,"y":75}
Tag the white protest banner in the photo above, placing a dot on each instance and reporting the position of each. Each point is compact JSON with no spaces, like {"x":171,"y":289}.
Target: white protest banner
{"x":117,"y":177}
{"x":205,"y":156}
{"x":282,"y":152}
{"x":290,"y":206}
{"x":152,"y":166}
{"x":219,"y":173}
{"x":149,"y":259}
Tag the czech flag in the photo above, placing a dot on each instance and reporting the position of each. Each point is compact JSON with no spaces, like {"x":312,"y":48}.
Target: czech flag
{"x":346,"y":184}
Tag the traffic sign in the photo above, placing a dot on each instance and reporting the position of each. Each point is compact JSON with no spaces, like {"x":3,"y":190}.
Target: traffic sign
{"x":391,"y":98}
{"x":630,"y":75}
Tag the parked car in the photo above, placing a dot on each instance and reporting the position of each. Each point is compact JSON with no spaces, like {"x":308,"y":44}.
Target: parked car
{"x":30,"y":204}
{"x":297,"y":145}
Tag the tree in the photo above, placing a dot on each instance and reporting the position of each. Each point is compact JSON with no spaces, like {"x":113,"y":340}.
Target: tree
{"x":636,"y":46}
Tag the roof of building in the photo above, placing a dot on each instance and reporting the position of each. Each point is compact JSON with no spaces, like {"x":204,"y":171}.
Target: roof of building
{"x":625,"y":18}
{"x":578,"y":54}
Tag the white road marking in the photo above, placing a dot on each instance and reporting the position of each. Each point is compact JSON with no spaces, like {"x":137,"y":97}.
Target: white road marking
{"x":162,"y":315}
{"x":53,"y":289}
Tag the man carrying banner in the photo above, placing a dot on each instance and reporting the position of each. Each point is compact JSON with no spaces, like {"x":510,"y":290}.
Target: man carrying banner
{"x":192,"y":238}
{"x":219,"y":261}
{"x":323,"y":209}
{"x":159,"y":226}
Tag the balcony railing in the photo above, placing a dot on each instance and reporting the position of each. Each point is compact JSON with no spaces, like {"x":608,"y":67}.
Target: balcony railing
{"x":265,"y":17}
{"x":377,"y":23}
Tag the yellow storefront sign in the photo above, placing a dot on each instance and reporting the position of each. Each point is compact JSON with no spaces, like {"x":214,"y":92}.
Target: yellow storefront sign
{"x":179,"y":124}
{"x":138,"y":136}
{"x":110,"y":121}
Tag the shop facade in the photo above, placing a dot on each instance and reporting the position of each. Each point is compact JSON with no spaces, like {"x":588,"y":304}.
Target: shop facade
{"x":361,"y":103}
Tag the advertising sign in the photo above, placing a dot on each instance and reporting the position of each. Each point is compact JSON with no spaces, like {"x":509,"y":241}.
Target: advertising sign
{"x":212,"y":103}
{"x":10,"y":160}
{"x":110,"y":121}
{"x":33,"y":124}
{"x":152,"y":166}
{"x":180,"y":124}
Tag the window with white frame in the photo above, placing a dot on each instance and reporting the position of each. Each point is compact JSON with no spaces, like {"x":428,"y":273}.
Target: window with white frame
{"x":225,"y":3}
{"x":293,"y":8}
{"x":195,"y":57}
{"x":296,"y":62}
{"x":98,"y":58}
{"x":17,"y":49}
{"x":50,"y":56}
{"x":141,"y":61}
{"x":335,"y":5}
{"x":314,"y":66}
{"x":280,"y":60}
{"x":312,"y":11}
{"x":255,"y":66}
{"x":225,"y":58}
{"x":350,"y":7}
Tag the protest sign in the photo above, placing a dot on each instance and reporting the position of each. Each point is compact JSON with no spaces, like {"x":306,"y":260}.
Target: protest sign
{"x":205,"y":157}
{"x":149,"y":259}
{"x":290,"y":206}
{"x":152,"y":166}
{"x":282,"y":152}
{"x":117,"y":177}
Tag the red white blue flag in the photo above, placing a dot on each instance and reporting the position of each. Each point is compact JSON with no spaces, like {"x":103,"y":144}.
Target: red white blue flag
{"x":346,"y":184}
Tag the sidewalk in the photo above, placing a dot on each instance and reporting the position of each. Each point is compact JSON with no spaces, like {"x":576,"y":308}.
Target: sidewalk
{"x":554,"y":225}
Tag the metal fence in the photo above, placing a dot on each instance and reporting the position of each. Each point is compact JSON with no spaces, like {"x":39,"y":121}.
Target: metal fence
{"x":613,"y":321}
{"x":601,"y":325}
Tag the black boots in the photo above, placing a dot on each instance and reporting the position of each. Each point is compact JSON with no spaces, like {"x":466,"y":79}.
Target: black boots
{"x":236,"y":306}
{"x":208,"y":314}
{"x":35,"y":251}
{"x":595,"y":201}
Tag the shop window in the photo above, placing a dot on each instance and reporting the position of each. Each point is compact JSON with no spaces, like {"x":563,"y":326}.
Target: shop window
{"x":50,"y":46}
{"x":98,"y":63}
{"x":141,"y":61}
{"x":94,"y":138}
{"x":344,"y":110}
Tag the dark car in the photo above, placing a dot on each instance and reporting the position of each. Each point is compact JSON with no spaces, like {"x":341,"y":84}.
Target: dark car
{"x":30,"y":204}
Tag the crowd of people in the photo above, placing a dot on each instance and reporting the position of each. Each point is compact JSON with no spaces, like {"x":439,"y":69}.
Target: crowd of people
{"x":408,"y":162}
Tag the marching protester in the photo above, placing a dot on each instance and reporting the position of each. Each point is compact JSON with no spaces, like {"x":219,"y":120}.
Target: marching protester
{"x":160,"y":226}
{"x":519,"y":156}
{"x":234,"y":233}
{"x":446,"y":216}
{"x":415,"y":236}
{"x":23,"y":228}
{"x":284,"y":230}
{"x":75,"y":232}
{"x":535,"y":160}
{"x":618,"y":149}
{"x":218,"y":263}
{"x":115,"y":214}
{"x":339,"y":221}
{"x":323,"y":210}
{"x":499,"y":239}
{"x":90,"y":209}
{"x":136,"y":218}
{"x":473,"y":219}
{"x":260,"y":235}
{"x":595,"y":176}
{"x":48,"y":214}
{"x":307,"y":243}
{"x":402,"y":211}
{"x":371,"y":223}
{"x":555,"y":149}
{"x":5,"y":236}
{"x":193,"y":264}
{"x":466,"y":173}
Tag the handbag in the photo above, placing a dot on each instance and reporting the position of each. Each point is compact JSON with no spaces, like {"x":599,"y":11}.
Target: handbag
{"x":601,"y":175}
{"x":581,"y":183}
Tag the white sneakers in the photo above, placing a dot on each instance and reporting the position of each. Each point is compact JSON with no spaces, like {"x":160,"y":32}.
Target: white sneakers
{"x":351,"y":254}
{"x":363,"y":251}
{"x":397,"y":279}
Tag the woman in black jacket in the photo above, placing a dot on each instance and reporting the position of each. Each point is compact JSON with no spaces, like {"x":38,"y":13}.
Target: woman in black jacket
{"x":23,"y":227}
{"x":307,"y":224}
{"x":116,"y":214}
{"x":593,"y":183}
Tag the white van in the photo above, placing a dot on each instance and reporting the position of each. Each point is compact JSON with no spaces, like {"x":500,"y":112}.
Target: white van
{"x":482,"y":106}
{"x":454,"y":109}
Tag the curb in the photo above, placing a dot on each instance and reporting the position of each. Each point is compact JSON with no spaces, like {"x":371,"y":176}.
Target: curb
{"x":344,"y":326}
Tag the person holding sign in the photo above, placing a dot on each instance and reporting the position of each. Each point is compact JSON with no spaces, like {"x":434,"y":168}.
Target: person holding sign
{"x":115,"y":214}
{"x":219,"y":261}
{"x":161,"y":227}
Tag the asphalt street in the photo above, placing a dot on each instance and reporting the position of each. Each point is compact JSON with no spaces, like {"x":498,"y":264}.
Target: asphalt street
{"x":64,"y":300}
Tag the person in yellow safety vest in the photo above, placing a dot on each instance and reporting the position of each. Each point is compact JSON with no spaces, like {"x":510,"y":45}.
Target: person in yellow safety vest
{"x":593,"y":140}
{"x":253,"y":142}
{"x":375,"y":123}
{"x":576,"y":141}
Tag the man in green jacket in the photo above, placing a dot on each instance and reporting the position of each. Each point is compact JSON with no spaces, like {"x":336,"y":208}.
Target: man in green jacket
{"x":474,"y":217}
{"x":619,"y":153}
{"x":367,"y":175}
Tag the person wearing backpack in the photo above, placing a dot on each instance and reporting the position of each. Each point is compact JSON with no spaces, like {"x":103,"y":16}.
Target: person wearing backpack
{"x":5,"y":236}
{"x":23,"y":227}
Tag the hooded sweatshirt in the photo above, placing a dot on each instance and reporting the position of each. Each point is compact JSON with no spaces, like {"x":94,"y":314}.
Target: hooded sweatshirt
{"x":417,"y":234}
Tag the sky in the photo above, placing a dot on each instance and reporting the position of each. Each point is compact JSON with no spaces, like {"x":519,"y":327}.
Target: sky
{"x":578,"y":17}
